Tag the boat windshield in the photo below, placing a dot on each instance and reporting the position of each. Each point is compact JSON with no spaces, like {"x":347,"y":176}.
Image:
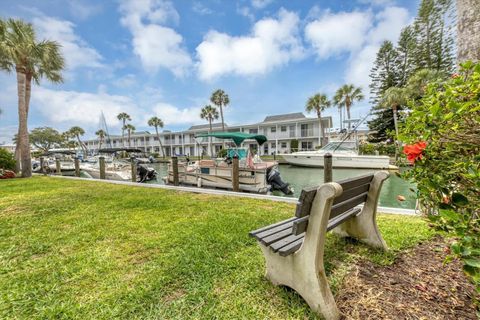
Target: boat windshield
{"x":340,"y":146}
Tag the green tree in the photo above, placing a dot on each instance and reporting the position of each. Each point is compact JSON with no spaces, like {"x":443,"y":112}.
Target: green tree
{"x":405,"y":49}
{"x":394,"y":98}
{"x":221,"y":100}
{"x":7,"y":160}
{"x":101,"y":136}
{"x":45,"y":138}
{"x":124,"y":117}
{"x":384,"y":73}
{"x":31,"y":60}
{"x":77,"y":132}
{"x":345,"y":96}
{"x":130,"y":129}
{"x":318,"y":103}
{"x":209,"y":113}
{"x":156,"y":122}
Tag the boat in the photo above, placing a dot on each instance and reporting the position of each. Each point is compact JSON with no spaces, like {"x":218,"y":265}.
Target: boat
{"x":344,"y":155}
{"x":67,"y":165}
{"x":118,"y":169}
{"x":255,"y":175}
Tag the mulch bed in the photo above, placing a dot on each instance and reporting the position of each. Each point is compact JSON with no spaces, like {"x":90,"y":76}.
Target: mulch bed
{"x":417,"y":286}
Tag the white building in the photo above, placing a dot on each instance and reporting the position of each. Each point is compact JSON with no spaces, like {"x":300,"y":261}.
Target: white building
{"x":282,"y":131}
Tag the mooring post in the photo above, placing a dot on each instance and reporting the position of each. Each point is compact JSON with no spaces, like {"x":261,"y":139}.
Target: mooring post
{"x":175,"y":170}
{"x":134,"y":169}
{"x":235,"y":174}
{"x":327,"y":167}
{"x":77,"y":167}
{"x":59,"y":168}
{"x":42,"y":165}
{"x":101,"y":162}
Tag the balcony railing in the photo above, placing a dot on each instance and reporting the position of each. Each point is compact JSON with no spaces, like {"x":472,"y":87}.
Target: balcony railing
{"x":306,"y":132}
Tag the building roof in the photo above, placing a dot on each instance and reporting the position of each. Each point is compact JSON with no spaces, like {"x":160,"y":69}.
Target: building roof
{"x":206,"y":126}
{"x":283,"y":117}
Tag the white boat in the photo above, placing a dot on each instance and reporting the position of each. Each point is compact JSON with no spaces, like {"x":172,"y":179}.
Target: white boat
{"x":114,"y":170}
{"x":344,"y":155}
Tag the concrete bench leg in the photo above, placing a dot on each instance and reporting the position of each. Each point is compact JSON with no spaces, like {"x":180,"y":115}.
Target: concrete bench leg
{"x":364,"y":226}
{"x":303,"y":271}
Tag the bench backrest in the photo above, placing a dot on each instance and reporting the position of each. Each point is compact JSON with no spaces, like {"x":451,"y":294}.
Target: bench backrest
{"x":355,"y":192}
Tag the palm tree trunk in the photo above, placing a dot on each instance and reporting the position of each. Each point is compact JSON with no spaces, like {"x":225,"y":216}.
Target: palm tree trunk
{"x":23,"y":139}
{"x":160,"y":142}
{"x":395,"y":122}
{"x":210,"y":138}
{"x":129,"y":135}
{"x":223,"y":125}
{"x":468,"y":30}
{"x":123,"y":133}
{"x":28,"y":91}
{"x":340,"y":113}
{"x":320,"y":129}
{"x":347,"y":107}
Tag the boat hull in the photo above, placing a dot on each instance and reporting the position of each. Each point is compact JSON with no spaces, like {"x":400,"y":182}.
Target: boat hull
{"x":339,"y":161}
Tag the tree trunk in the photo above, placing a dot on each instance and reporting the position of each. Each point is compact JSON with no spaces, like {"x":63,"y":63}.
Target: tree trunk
{"x":348,"y":116}
{"x":23,"y":139}
{"x":340,"y":113}
{"x":129,"y":133}
{"x":321,"y":135}
{"x":123,"y":133}
{"x":395,"y":121}
{"x":210,"y":138}
{"x":468,"y":30}
{"x":160,"y":142}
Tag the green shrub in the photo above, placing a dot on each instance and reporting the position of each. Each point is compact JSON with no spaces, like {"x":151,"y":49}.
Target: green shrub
{"x":7,"y":160}
{"x":382,"y":148}
{"x":447,"y":171}
{"x":222,"y":153}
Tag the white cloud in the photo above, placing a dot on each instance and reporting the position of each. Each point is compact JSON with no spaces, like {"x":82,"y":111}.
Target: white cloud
{"x":76,"y":51}
{"x":157,"y":46}
{"x":336,"y":33}
{"x":386,"y":25}
{"x":260,"y":4}
{"x":273,"y":42}
{"x":81,"y":108}
{"x":201,"y":9}
{"x":172,"y":115}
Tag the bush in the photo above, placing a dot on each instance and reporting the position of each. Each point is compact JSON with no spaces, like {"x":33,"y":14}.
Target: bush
{"x":7,"y":160}
{"x":222,"y":153}
{"x":447,"y":168}
{"x":382,"y":148}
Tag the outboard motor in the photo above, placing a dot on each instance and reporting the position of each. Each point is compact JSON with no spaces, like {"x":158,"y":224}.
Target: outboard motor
{"x":274,"y":179}
{"x":145,"y":173}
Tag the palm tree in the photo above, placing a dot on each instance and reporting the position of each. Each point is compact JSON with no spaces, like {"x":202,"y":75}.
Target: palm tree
{"x":156,"y":122}
{"x":221,"y":100}
{"x":345,"y":96}
{"x":318,"y":103}
{"x":394,"y":97}
{"x":468,"y":24}
{"x":31,"y":60}
{"x":124,"y":117}
{"x":101,"y":135}
{"x":209,"y":113}
{"x":130,"y":129}
{"x":77,"y":132}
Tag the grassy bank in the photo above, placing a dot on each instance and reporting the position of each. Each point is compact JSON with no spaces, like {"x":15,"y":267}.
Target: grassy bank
{"x":76,"y":249}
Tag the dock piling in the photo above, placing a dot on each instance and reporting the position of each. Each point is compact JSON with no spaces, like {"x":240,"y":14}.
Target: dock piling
{"x":59,"y":167}
{"x":77,"y":167}
{"x":327,"y":167}
{"x":235,"y":174}
{"x":134,"y":169}
{"x":101,"y":162}
{"x":175,"y":170}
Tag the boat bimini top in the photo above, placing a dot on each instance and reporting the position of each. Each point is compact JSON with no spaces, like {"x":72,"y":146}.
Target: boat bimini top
{"x":237,"y":137}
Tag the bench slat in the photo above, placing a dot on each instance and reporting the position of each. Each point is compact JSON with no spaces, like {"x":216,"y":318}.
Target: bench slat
{"x":300,"y":225}
{"x":276,"y":236}
{"x":305,"y":201}
{"x":352,"y":193}
{"x":291,"y":248}
{"x":342,"y":217}
{"x":355,"y":182}
{"x":346,"y":205}
{"x":255,"y":232}
{"x":279,"y":228}
{"x":285,"y":241}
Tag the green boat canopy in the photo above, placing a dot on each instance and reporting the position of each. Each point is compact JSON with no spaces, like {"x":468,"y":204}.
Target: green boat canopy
{"x":237,"y":137}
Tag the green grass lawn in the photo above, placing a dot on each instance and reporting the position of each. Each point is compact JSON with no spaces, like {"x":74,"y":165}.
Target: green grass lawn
{"x":88,"y":250}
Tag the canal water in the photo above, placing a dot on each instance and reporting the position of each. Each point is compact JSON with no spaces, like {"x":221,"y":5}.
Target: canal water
{"x":300,"y":177}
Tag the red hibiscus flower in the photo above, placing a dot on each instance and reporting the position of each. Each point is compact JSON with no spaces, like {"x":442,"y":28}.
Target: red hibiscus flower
{"x":414,"y":151}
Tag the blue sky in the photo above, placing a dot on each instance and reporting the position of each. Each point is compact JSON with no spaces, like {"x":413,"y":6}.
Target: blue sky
{"x":165,"y":58}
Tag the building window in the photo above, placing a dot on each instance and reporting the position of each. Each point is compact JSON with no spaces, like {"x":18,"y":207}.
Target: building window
{"x":273,"y":129}
{"x":283,"y":128}
{"x":307,"y":145}
{"x":253,"y":131}
{"x":284,"y":145}
{"x":274,"y":145}
{"x":147,"y":138}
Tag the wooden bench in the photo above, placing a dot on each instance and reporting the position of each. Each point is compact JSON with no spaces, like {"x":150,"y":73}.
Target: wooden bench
{"x":293,"y":248}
